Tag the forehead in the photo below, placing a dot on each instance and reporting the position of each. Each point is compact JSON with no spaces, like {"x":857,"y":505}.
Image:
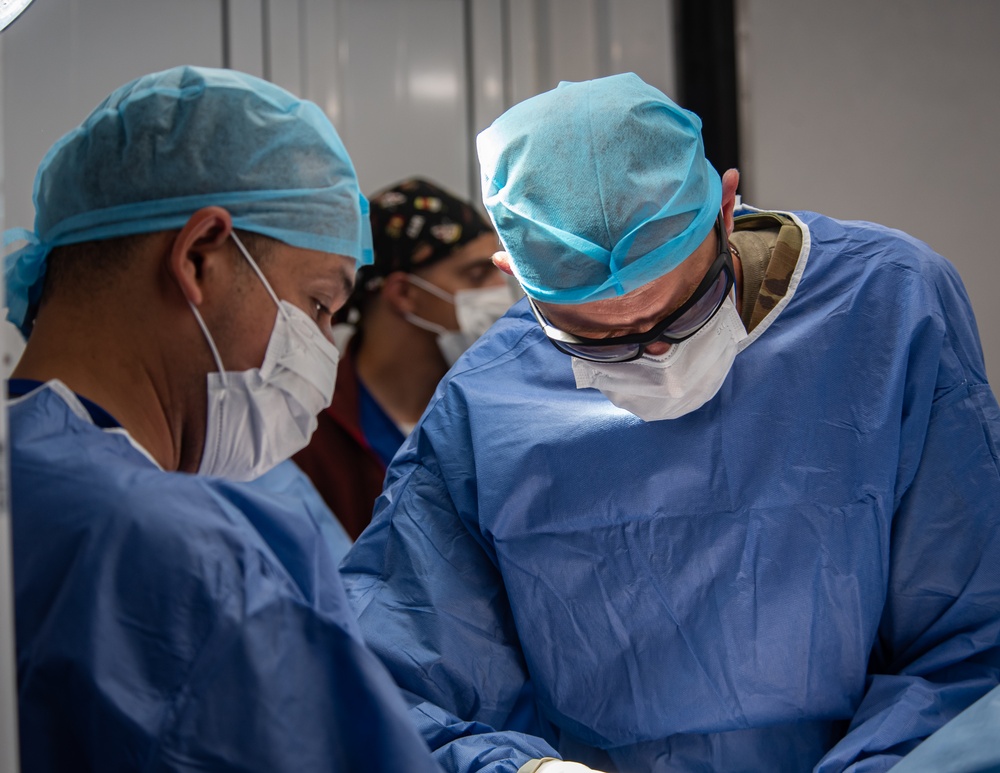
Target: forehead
{"x":299,"y":264}
{"x":479,"y":249}
{"x":641,"y":308}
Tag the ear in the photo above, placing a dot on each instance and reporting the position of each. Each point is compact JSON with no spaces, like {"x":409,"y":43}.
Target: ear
{"x":198,"y":249}
{"x":397,"y":293}
{"x":730,"y":182}
{"x":502,"y":261}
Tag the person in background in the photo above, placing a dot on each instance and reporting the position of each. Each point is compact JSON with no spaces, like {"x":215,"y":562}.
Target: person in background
{"x":722,"y":493}
{"x":192,"y":239}
{"x":431,"y":291}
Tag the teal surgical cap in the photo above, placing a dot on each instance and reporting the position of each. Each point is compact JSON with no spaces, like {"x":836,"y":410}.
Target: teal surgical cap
{"x":597,"y":188}
{"x":165,"y":145}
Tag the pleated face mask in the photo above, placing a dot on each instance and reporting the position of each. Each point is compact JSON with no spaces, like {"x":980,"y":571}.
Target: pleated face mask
{"x":475,"y":310}
{"x":676,"y":383}
{"x":257,"y":418}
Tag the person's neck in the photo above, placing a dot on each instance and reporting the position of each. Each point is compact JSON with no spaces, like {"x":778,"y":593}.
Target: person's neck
{"x":107,"y":370}
{"x":400,"y":365}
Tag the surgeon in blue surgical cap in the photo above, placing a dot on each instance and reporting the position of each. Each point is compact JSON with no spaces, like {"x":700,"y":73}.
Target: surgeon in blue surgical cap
{"x":720,"y":494}
{"x":192,"y":238}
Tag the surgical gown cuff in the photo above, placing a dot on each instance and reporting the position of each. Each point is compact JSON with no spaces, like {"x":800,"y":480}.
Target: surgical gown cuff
{"x":532,"y":766}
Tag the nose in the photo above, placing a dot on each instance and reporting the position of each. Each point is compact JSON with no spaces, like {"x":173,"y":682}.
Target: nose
{"x":657,"y":348}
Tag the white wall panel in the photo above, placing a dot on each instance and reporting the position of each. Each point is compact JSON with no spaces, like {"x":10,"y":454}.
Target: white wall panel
{"x":529,"y":22}
{"x":246,"y":36}
{"x":881,"y":111}
{"x":62,"y":57}
{"x":408,"y":83}
{"x":322,"y":67}
{"x":408,"y":89}
{"x":640,"y":39}
{"x":574,"y":40}
{"x":488,"y":63}
{"x":490,"y":88}
{"x":284,"y":62}
{"x":403,"y":105}
{"x":573,"y":48}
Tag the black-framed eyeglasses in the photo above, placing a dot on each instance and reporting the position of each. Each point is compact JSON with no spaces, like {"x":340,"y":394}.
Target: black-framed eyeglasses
{"x":677,"y":326}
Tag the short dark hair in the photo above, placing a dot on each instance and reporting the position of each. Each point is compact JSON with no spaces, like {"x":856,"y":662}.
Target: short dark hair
{"x":88,"y":266}
{"x":92,"y":266}
{"x":259,"y":246}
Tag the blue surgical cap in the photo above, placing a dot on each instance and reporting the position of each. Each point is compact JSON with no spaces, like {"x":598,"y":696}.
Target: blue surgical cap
{"x":165,"y":145}
{"x":597,"y":188}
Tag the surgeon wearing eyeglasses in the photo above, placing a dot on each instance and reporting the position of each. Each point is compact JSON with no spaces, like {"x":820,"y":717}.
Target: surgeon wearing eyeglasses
{"x":631,"y":363}
{"x":720,"y":494}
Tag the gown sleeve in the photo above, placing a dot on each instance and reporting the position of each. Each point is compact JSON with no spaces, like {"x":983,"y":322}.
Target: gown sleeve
{"x":311,"y":697}
{"x":938,"y":644}
{"x":436,"y":587}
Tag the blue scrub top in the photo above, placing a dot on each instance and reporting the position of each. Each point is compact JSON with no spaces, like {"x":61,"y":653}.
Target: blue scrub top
{"x":379,"y":430}
{"x":167,"y":621}
{"x":800,"y":575}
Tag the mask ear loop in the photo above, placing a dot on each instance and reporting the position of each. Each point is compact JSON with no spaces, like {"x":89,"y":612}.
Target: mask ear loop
{"x":423,"y":324}
{"x":436,"y":291}
{"x":433,"y":289}
{"x":208,"y":337}
{"x":201,"y":321}
{"x":260,"y":274}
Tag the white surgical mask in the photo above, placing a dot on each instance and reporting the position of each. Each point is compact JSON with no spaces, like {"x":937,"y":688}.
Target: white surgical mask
{"x":673,"y":384}
{"x":476,"y":310}
{"x":257,"y":418}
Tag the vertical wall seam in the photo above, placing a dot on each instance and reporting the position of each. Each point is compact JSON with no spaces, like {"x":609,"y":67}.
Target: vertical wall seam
{"x":543,"y":47}
{"x":470,"y":101}
{"x":506,"y":56}
{"x":227,"y":56}
{"x":303,"y":50}
{"x":603,"y":37}
{"x":265,"y":37}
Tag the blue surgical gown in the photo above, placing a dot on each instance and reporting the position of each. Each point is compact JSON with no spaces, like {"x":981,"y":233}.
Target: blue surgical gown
{"x":803,"y":574}
{"x":290,"y":484}
{"x":970,"y":743}
{"x":171,"y":622}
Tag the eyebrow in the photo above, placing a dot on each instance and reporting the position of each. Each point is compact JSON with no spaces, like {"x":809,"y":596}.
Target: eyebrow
{"x":649,"y":321}
{"x":689,"y":290}
{"x":588,"y":329}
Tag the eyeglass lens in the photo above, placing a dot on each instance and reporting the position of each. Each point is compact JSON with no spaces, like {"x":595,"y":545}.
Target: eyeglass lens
{"x":683,"y":327}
